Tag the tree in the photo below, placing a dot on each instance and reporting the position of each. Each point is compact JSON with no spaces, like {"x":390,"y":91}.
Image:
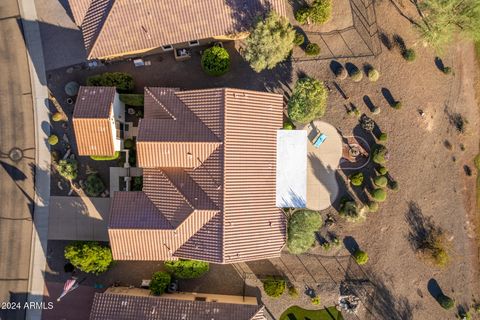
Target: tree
{"x":361,"y":257}
{"x":308,"y":100}
{"x":442,"y":19}
{"x":88,"y":256}
{"x":159,"y":283}
{"x":301,"y":228}
{"x":94,"y":185}
{"x":274,"y":288}
{"x":215,"y":61}
{"x":269,"y":43}
{"x":187,"y":269}
{"x":68,"y":169}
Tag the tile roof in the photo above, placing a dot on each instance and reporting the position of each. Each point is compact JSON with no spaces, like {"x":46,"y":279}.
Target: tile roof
{"x":94,"y":102}
{"x":221,"y":206}
{"x":117,"y":27}
{"x":108,"y":306}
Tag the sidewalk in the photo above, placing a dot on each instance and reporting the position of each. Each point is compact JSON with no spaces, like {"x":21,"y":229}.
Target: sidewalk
{"x":33,"y":42}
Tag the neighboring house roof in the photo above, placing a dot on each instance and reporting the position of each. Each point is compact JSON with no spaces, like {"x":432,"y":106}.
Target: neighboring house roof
{"x":120,"y":27}
{"x":214,"y":192}
{"x":107,"y":306}
{"x":91,"y":121}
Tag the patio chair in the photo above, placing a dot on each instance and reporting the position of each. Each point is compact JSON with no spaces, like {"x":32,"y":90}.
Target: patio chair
{"x":319,"y":140}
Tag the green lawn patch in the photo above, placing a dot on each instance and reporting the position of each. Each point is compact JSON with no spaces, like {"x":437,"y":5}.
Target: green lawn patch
{"x":297,"y":313}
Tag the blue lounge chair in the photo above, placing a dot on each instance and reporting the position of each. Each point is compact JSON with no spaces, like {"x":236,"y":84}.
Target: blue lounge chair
{"x":320,"y":139}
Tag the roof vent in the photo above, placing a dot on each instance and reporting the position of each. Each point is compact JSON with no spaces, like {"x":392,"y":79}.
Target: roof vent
{"x":124,"y":303}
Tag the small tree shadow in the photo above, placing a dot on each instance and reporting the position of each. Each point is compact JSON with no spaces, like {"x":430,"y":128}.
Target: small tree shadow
{"x":335,"y":66}
{"x":434,"y":289}
{"x":368,"y":102}
{"x":350,"y":244}
{"x":422,"y":231}
{"x":351,"y":68}
{"x":386,"y":41}
{"x":439,"y":64}
{"x":388,"y":96}
{"x":398,"y":40}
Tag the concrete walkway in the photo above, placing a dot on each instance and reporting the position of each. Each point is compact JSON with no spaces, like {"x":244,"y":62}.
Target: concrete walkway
{"x":78,"y":218}
{"x":36,"y":65}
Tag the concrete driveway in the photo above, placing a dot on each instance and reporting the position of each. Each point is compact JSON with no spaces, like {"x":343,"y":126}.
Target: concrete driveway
{"x":78,"y":218}
{"x":16,"y":178}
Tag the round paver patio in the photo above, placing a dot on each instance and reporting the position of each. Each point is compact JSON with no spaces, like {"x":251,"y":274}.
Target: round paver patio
{"x":322,"y":184}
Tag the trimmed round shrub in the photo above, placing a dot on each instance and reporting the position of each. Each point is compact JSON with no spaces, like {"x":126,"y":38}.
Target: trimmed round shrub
{"x":350,"y":211}
{"x":447,"y":70}
{"x":215,"y":61}
{"x":187,"y":269}
{"x":301,"y":230}
{"x":380,"y":181}
{"x":312,"y":49}
{"x":302,"y":14}
{"x":128,"y":144}
{"x":320,"y":11}
{"x":94,"y":186}
{"x":159,"y":283}
{"x":89,"y":256}
{"x":379,"y":154}
{"x":397,"y":105}
{"x":409,"y":55}
{"x":299,"y":39}
{"x":383,"y":137}
{"x":52,"y":140}
{"x":57,"y":116}
{"x":316,"y":301}
{"x":308,"y":100}
{"x":379,"y":195}
{"x":373,"y":74}
{"x":293,"y":292}
{"x":356,"y":74}
{"x":393,"y":185}
{"x":356,"y":179}
{"x":341,"y":73}
{"x":361,"y":257}
{"x":445,"y":301}
{"x":68,"y":169}
{"x":382,"y":170}
{"x":274,"y":288}
{"x":376,"y":110}
{"x":373,"y":206}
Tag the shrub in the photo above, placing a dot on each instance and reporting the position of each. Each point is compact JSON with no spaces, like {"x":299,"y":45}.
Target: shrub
{"x":350,"y":211}
{"x":67,"y":169}
{"x":288,"y":124}
{"x":379,"y":154}
{"x":380,"y":181}
{"x":308,"y":100}
{"x":397,"y":105}
{"x":293,"y":292}
{"x":270,"y":42}
{"x":301,"y":228}
{"x":383,"y":137}
{"x":327,"y":245}
{"x":274,"y":288}
{"x":373,"y":74}
{"x":89,"y":256}
{"x":476,"y":161}
{"x":94,"y":185}
{"x":356,"y":179}
{"x":137,"y":183}
{"x":128,"y":144}
{"x":393,"y":185}
{"x":367,"y":123}
{"x":215,"y":61}
{"x":302,"y":14}
{"x":382,"y":170}
{"x":159,"y":283}
{"x":341,"y":73}
{"x":361,"y":257}
{"x":187,"y":269}
{"x":320,"y":11}
{"x":120,"y":80}
{"x":52,"y":140}
{"x":299,"y":39}
{"x":132,"y":99}
{"x":316,"y":300}
{"x":447,"y":70}
{"x":445,"y":301}
{"x":312,"y":49}
{"x":373,"y":206}
{"x":57,"y":116}
{"x":409,"y":55}
{"x":106,"y":158}
{"x":379,"y":195}
{"x":356,"y":74}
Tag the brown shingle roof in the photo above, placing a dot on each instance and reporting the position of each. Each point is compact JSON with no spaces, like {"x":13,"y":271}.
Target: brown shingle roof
{"x":107,"y":306}
{"x":117,"y":27}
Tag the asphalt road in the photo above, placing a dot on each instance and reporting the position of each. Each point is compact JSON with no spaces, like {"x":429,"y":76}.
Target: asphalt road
{"x":16,"y":178}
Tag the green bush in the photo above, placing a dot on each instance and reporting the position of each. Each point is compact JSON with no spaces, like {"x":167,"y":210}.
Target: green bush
{"x":57,"y":116}
{"x":373,"y":206}
{"x":316,"y":301}
{"x":373,"y":74}
{"x":356,"y":179}
{"x":302,"y":14}
{"x":380,"y":181}
{"x":89,"y":256}
{"x":356,"y":74}
{"x":350,"y":211}
{"x":106,"y":158}
{"x":68,"y":169}
{"x":312,"y":49}
{"x":361,"y":257}
{"x":274,"y":288}
{"x":382,"y":170}
{"x":379,"y":195}
{"x":159,"y":283}
{"x":215,"y":61}
{"x":445,"y":301}
{"x":320,"y":11}
{"x":120,"y":80}
{"x":397,"y":105}
{"x":137,"y":183}
{"x":128,"y":144}
{"x":94,"y":186}
{"x":308,"y":100}
{"x":52,"y":140}
{"x":293,"y":292}
{"x":132,"y":99}
{"x":299,"y":39}
{"x":393,"y":185}
{"x":383,"y":137}
{"x":288,"y":124}
{"x":301,"y":230}
{"x":187,"y":269}
{"x":379,"y":154}
{"x":269,"y":43}
{"x":409,"y":55}
{"x":447,"y":70}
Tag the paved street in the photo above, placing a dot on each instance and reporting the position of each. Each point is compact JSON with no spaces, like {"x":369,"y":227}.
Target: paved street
{"x":16,"y":188}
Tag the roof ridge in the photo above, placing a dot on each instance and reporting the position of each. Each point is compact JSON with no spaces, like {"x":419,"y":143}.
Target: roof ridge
{"x":155,"y":98}
{"x":178,"y":190}
{"x":109,"y":4}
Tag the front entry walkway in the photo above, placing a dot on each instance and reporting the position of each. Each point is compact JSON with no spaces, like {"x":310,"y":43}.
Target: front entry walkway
{"x":78,"y":218}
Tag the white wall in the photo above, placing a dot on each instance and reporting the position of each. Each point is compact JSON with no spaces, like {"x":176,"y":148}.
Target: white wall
{"x":117,"y":114}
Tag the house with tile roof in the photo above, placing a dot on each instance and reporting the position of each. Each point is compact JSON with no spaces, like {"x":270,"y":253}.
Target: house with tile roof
{"x":209,"y":177}
{"x":122,"y":28}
